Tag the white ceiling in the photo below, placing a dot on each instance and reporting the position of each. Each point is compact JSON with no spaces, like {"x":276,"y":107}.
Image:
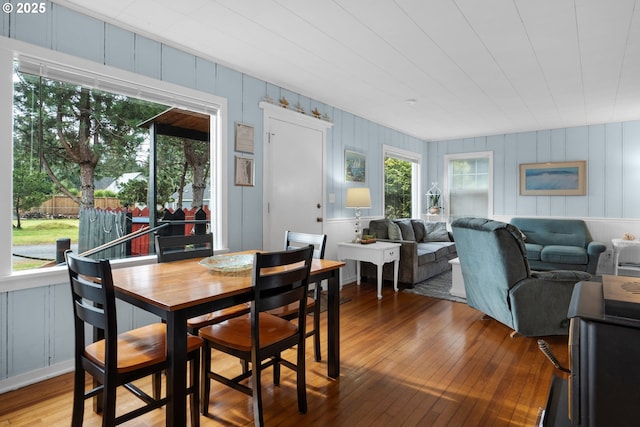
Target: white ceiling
{"x":473,"y":67}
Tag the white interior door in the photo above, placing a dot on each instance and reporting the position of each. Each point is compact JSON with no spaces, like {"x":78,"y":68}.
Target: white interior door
{"x":294,"y":185}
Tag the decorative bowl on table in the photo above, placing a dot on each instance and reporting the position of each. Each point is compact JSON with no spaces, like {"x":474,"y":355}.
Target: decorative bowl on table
{"x":229,"y":265}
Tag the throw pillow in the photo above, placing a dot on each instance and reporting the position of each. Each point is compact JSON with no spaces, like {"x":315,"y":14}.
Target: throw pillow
{"x":436,"y":232}
{"x":419,"y":229}
{"x":394,"y":231}
{"x":406,"y":229}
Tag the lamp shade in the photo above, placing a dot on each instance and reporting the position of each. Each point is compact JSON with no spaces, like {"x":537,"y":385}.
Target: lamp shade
{"x":358,"y":197}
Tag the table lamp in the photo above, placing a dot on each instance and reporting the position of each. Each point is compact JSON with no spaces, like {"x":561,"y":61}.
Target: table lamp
{"x":358,"y":198}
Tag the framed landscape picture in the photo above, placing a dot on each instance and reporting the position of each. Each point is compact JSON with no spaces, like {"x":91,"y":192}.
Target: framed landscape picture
{"x":553,"y":179}
{"x":355,"y":166}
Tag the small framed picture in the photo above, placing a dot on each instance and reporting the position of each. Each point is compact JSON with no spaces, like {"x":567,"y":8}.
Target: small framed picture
{"x":244,"y":138}
{"x":244,"y":171}
{"x":355,"y":166}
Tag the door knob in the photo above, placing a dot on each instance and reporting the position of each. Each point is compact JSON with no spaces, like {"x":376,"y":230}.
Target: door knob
{"x":319,"y":219}
{"x":318,"y":205}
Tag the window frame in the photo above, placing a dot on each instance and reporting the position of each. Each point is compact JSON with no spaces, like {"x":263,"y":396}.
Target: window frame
{"x":466,"y":156}
{"x":416,"y":175}
{"x":65,"y":67}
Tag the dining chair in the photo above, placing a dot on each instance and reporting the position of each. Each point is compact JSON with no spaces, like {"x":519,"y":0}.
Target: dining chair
{"x":259,"y":338}
{"x":294,"y":240}
{"x":174,"y":248}
{"x":114,"y":359}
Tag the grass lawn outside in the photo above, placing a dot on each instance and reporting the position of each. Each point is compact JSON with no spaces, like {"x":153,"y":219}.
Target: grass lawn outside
{"x":41,"y":232}
{"x":45,"y":231}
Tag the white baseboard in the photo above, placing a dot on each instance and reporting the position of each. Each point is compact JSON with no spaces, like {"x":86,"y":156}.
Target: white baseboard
{"x":32,"y":377}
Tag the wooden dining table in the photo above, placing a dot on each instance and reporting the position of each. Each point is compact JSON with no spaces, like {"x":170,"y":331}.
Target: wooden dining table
{"x":179,"y":290}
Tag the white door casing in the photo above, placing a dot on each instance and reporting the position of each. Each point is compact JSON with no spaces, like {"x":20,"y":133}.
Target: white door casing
{"x":294,"y":171}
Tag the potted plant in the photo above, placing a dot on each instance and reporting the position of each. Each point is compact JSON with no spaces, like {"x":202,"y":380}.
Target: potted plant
{"x":434,"y":203}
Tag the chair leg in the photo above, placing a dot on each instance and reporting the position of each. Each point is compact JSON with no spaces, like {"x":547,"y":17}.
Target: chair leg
{"x":258,"y":419}
{"x":276,"y":370}
{"x":156,"y":384}
{"x":205,"y":382}
{"x":195,"y":389}
{"x":316,"y":323}
{"x":301,"y":380}
{"x":109,"y":404}
{"x":78,"y":398}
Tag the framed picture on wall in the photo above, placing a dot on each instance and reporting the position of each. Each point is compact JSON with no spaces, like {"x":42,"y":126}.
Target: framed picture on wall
{"x":355,"y":166}
{"x":553,"y":179}
{"x":244,"y":173}
{"x":244,"y":138}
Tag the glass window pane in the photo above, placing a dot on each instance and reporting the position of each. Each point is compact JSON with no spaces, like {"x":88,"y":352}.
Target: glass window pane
{"x":469,"y":187}
{"x":398,"y":185}
{"x":81,"y":161}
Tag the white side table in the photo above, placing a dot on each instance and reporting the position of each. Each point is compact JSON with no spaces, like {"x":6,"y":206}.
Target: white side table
{"x":457,"y":281}
{"x":618,"y":246}
{"x":378,"y":253}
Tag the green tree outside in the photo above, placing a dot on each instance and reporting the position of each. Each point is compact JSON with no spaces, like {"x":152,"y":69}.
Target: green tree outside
{"x":30,"y":189}
{"x":397,"y":188}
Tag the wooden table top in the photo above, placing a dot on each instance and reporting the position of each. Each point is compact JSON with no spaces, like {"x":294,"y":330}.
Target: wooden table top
{"x":180,"y":284}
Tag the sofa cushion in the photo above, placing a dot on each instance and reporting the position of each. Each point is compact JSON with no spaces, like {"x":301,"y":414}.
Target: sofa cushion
{"x":533,"y":251}
{"x":394,"y":231}
{"x":436,"y":232}
{"x":564,"y":254}
{"x":406,"y":228}
{"x":433,"y":251}
{"x":419,"y":229}
{"x":379,"y":228}
{"x":547,"y":231}
{"x":425,"y":256}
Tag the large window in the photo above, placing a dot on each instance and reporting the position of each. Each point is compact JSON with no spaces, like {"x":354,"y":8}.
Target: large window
{"x":401,"y":183}
{"x":83,"y":146}
{"x":469,"y":188}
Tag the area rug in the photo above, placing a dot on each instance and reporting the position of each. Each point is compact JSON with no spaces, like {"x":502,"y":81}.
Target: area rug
{"x":436,"y":287}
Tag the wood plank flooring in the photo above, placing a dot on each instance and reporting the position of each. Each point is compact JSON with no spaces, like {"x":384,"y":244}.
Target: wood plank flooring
{"x":407,"y":360}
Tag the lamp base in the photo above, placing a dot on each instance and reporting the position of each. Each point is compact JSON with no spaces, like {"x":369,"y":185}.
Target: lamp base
{"x":358,"y":237}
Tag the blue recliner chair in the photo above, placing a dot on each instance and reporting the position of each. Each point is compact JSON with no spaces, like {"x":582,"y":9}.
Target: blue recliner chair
{"x":499,"y":282}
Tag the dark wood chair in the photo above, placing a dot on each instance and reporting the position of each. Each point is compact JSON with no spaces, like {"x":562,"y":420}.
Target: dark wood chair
{"x":114,"y":359}
{"x":294,"y":240}
{"x":259,"y":337}
{"x":174,"y":248}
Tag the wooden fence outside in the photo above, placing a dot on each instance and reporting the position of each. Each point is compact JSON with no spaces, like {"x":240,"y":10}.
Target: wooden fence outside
{"x":64,"y":206}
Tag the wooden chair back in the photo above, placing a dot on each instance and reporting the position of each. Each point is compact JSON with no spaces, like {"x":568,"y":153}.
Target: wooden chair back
{"x":174,"y":248}
{"x":294,"y":240}
{"x":93,"y":304}
{"x":281,"y":278}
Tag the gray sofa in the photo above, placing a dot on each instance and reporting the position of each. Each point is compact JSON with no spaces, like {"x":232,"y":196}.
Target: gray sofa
{"x":559,"y":244}
{"x":426,"y":248}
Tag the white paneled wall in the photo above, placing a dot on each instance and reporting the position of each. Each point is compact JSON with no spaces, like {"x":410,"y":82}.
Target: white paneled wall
{"x":612,"y":152}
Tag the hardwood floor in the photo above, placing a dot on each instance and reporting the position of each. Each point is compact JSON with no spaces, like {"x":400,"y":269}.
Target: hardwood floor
{"x":407,"y":360}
